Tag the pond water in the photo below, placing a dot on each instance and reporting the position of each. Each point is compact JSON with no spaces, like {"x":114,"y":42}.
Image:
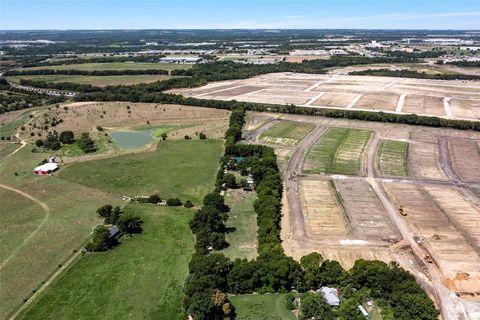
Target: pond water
{"x":132,"y":139}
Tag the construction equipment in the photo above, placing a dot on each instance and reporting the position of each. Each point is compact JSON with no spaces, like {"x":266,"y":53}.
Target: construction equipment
{"x":428,"y":258}
{"x":403,"y":211}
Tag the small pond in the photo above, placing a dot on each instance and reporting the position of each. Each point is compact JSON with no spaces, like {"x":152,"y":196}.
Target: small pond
{"x":132,"y":139}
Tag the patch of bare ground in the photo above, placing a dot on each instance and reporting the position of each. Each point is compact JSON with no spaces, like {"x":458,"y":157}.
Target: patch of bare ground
{"x":461,"y":213}
{"x":323,"y":214}
{"x":378,"y":101}
{"x":366,"y":216}
{"x":446,"y":246}
{"x":332,"y":99}
{"x":465,"y":156}
{"x":423,"y":161}
{"x":86,"y":116}
{"x":419,"y":104}
{"x":464,"y":108}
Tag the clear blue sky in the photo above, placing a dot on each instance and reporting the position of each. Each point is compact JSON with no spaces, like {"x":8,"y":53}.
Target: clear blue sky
{"x":275,"y":14}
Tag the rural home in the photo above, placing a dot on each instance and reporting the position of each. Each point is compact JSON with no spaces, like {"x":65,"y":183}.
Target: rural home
{"x":331,"y":296}
{"x":46,"y":168}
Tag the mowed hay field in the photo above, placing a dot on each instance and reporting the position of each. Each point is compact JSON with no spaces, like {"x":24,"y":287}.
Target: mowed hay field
{"x":98,"y":81}
{"x":182,"y":168}
{"x":38,"y":235}
{"x":141,"y":278}
{"x":261,"y":307}
{"x":243,"y":240}
{"x":286,"y":133}
{"x":113,"y":66}
{"x":339,"y":150}
{"x":392,"y":158}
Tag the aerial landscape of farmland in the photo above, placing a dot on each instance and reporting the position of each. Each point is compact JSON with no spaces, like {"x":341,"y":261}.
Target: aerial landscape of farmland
{"x":169,"y":161}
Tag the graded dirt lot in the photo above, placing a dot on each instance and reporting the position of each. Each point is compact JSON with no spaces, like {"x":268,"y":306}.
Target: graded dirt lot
{"x":450,"y":99}
{"x":324,"y":214}
{"x":410,"y":201}
{"x":423,"y":161}
{"x":465,"y":155}
{"x":366,"y":216}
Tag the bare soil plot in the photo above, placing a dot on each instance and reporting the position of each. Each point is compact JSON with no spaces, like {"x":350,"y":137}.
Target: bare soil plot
{"x":465,"y":156}
{"x":367,"y":218}
{"x":339,"y":150}
{"x":234,"y":91}
{"x":463,"y":108}
{"x":286,"y":133}
{"x":85,"y":116}
{"x":329,"y":99}
{"x":449,"y":250}
{"x":419,"y":104}
{"x":423,"y":161}
{"x":324,"y":216}
{"x":378,"y":101}
{"x":286,"y":98}
{"x":464,"y":215}
{"x":392,"y":158}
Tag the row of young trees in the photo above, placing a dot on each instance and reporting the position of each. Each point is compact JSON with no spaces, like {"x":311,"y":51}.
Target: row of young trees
{"x":405,"y":73}
{"x":84,"y":72}
{"x":212,"y":275}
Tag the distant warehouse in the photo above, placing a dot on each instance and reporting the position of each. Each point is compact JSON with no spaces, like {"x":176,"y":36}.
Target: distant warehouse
{"x":181,"y":60}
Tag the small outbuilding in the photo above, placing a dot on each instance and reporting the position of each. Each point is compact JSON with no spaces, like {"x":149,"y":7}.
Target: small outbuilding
{"x":114,"y":231}
{"x":45,"y":168}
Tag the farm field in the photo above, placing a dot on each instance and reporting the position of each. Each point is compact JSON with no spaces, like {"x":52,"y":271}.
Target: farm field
{"x":98,"y":81}
{"x":112,"y":66}
{"x":371,"y":93}
{"x":242,"y":217}
{"x":286,"y":133}
{"x":339,"y":150}
{"x":168,"y":171}
{"x":141,"y":278}
{"x":46,"y":219}
{"x":261,"y":307}
{"x":392,"y":158}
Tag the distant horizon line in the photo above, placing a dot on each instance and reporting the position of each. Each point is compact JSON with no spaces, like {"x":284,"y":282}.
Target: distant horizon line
{"x":252,"y":29}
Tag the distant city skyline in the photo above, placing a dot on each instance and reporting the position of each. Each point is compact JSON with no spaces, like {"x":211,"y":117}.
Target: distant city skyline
{"x":237,"y":14}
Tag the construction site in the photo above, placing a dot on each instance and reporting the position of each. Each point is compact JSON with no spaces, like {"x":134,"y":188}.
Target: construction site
{"x":452,"y":99}
{"x":363,"y":190}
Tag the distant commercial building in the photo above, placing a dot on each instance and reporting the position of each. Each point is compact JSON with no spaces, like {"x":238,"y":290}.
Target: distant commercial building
{"x":337,"y":52}
{"x":438,"y":41}
{"x":181,"y":60}
{"x":308,"y":53}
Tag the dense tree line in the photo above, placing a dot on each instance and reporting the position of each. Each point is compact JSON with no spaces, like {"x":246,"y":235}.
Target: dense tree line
{"x":63,"y":86}
{"x":105,"y":59}
{"x":466,"y":64}
{"x":84,"y":72}
{"x":416,"y":54}
{"x":414,"y":74}
{"x":13,"y":99}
